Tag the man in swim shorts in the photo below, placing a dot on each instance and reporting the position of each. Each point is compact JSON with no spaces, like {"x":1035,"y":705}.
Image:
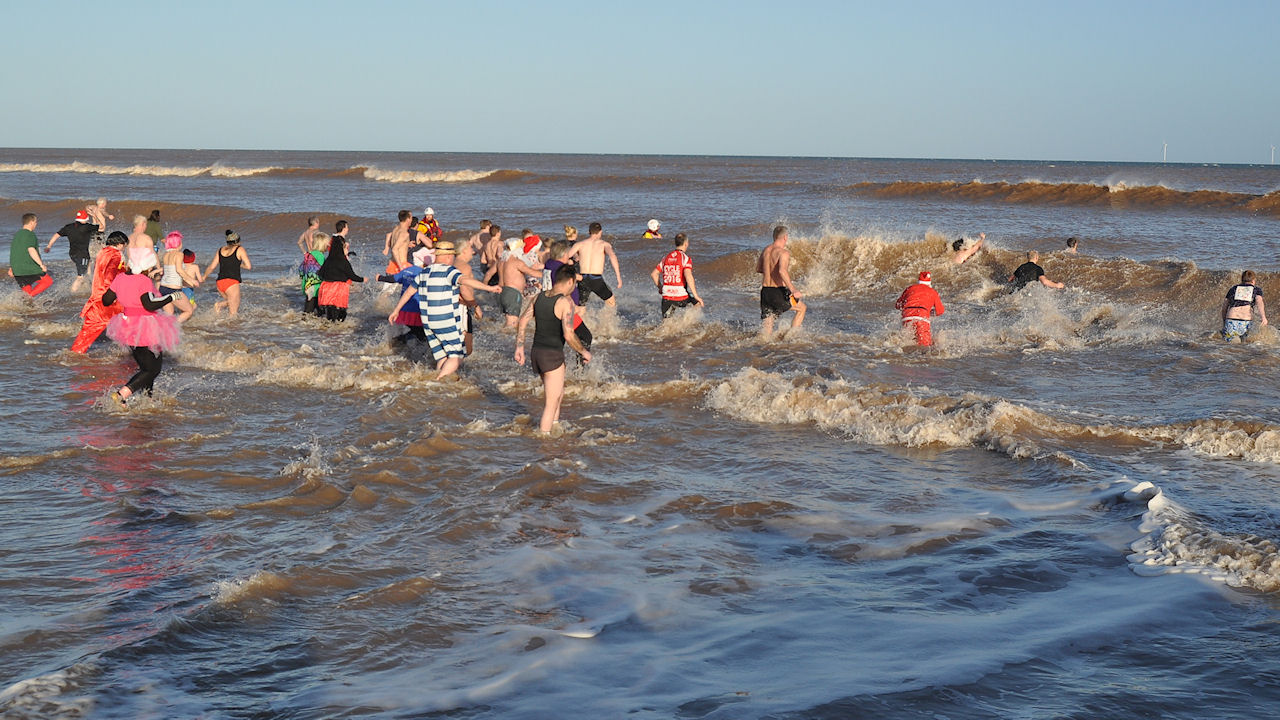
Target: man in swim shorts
{"x":777,"y":293}
{"x":674,"y":278}
{"x":79,"y":234}
{"x":1029,"y":272}
{"x":514,"y":273}
{"x":1237,"y":308}
{"x":591,"y":254}
{"x":916,"y":304}
{"x":490,"y":256}
{"x":25,"y":265}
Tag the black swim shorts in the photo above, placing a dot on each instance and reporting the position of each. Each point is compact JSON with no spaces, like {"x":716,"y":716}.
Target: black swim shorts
{"x":544,"y":360}
{"x":593,"y":284}
{"x":669,"y":306}
{"x":774,"y":301}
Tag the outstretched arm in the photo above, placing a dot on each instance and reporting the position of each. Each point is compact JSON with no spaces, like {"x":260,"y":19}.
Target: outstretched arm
{"x":404,"y":298}
{"x":613,"y":259}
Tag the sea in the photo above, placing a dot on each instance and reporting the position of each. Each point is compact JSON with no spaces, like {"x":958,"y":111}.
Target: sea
{"x":1068,"y":509}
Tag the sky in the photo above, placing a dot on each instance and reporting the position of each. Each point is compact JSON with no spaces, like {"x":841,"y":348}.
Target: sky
{"x":1109,"y":81}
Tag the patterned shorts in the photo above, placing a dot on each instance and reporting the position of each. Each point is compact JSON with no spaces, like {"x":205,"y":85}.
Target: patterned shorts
{"x":1232,"y":329}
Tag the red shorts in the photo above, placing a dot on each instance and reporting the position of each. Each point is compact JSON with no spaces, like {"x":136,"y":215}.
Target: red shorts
{"x":225,"y":283}
{"x":924,"y":333}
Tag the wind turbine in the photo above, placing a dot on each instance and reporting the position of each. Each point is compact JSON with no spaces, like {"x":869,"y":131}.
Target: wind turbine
{"x":1273,"y":154}
{"x":1166,"y":153}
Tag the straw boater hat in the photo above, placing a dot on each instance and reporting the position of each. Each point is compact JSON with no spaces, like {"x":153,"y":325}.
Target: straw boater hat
{"x":444,"y":247}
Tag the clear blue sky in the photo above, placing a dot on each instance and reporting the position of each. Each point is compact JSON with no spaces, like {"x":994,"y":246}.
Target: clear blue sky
{"x":1028,"y":80}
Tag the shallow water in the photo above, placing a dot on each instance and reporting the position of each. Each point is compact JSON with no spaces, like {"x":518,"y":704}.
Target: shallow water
{"x":1066,"y":511}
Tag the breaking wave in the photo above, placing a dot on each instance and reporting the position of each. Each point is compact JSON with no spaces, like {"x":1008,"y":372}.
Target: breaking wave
{"x":1118,"y":195}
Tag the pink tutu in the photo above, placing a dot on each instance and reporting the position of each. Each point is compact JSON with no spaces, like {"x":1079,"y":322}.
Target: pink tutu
{"x":157,"y":332}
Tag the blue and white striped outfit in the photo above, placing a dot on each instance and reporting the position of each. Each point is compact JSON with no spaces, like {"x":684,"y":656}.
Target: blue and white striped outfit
{"x":442,"y":314}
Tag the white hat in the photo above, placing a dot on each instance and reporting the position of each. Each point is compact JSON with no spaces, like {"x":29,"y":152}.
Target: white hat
{"x":428,"y":211}
{"x":654,"y":225}
{"x":515,"y":244}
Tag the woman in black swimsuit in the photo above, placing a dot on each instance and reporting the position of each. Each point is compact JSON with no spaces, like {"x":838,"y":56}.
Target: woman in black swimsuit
{"x":229,"y":260}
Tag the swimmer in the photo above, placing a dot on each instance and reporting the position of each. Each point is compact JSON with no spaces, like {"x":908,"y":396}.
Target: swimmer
{"x":336,"y":276}
{"x":552,"y":312}
{"x":439,"y":298}
{"x":491,"y":256}
{"x":229,"y":260}
{"x":1073,"y":246}
{"x":478,"y":240}
{"x":1237,"y":308}
{"x":171,"y":281}
{"x":777,"y":293}
{"x":26,"y":267}
{"x":591,"y":254}
{"x":304,"y":240}
{"x":138,"y":327}
{"x":557,"y":254}
{"x":79,"y":233}
{"x":514,"y":273}
{"x":94,"y":314}
{"x":674,"y":278}
{"x":309,"y":272}
{"x":965,"y":248}
{"x":153,"y":230}
{"x":1029,"y":272}
{"x":917,"y":302}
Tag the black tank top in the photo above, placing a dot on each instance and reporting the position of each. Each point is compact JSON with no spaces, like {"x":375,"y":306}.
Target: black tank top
{"x":548,"y":332}
{"x":229,"y":265}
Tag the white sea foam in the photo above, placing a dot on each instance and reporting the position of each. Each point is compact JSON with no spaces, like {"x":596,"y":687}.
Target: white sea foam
{"x":1176,"y":541}
{"x":373,"y":172}
{"x":215,"y":170}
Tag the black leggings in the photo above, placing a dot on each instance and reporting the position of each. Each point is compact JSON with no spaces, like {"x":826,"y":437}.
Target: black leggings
{"x":149,"y":365}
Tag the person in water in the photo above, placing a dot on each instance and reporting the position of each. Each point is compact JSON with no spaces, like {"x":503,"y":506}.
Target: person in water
{"x":428,"y":229}
{"x":94,"y":314}
{"x":552,"y":312}
{"x":674,"y":278}
{"x":305,"y":239}
{"x":229,"y":260}
{"x":309,"y":272}
{"x":172,"y":280}
{"x":1073,"y":246}
{"x":26,"y":267}
{"x":153,"y":229}
{"x":917,"y":302}
{"x":651,"y":230}
{"x":1029,"y":272}
{"x":439,"y":299}
{"x":1238,"y":306}
{"x":965,"y":248}
{"x":138,"y":327}
{"x":556,"y":258}
{"x":336,"y":276}
{"x":591,"y":254}
{"x":777,"y":293}
{"x":79,"y":233}
{"x":410,"y":315}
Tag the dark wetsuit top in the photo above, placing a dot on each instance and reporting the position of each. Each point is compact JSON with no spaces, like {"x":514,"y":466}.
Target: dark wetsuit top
{"x":229,"y":266}
{"x":1027,"y":272}
{"x":548,"y":331}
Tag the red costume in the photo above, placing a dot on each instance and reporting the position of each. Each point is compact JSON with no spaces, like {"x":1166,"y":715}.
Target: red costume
{"x":95,"y":315}
{"x":916,"y":302}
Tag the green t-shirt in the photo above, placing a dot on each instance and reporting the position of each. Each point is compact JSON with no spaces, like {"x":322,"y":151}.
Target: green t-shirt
{"x":19,"y":259}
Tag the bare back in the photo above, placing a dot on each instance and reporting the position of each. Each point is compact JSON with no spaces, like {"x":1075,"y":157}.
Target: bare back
{"x":774,"y":265}
{"x":591,"y":253}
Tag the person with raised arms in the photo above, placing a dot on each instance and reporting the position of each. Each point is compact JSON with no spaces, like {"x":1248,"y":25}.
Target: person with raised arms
{"x":552,"y":312}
